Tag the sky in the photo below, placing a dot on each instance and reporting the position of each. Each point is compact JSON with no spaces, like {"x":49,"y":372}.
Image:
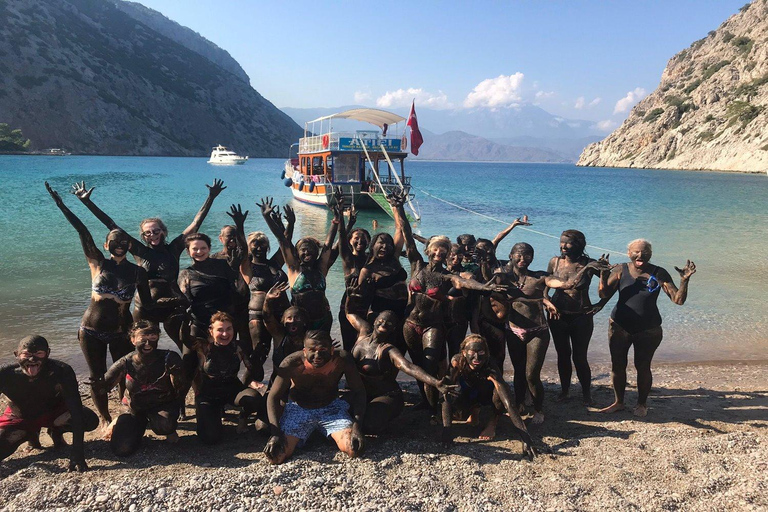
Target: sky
{"x":579,"y":59}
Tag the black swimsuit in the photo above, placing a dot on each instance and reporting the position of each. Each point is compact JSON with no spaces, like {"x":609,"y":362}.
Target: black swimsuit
{"x":209,"y":289}
{"x":636,"y":309}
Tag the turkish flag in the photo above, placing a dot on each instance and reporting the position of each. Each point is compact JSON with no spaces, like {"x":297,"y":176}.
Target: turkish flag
{"x":416,"y":139}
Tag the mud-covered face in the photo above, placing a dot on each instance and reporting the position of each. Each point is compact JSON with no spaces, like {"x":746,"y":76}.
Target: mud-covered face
{"x":467,"y":244}
{"x":384,"y":323}
{"x":152,"y":233}
{"x":307,"y":253}
{"x":455,"y":258}
{"x":221,"y":332}
{"x":438,"y":254}
{"x":520,"y":258}
{"x":228,"y":238}
{"x":639,"y":254}
{"x":318,"y":352}
{"x":476,"y":355}
{"x":485,"y":252}
{"x":199,"y":250}
{"x":294,"y":321}
{"x":117,"y":244}
{"x":259,"y":248}
{"x":359,"y":242}
{"x":383,"y":248}
{"x":32,"y":362}
{"x":145,"y":343}
{"x":569,"y":247}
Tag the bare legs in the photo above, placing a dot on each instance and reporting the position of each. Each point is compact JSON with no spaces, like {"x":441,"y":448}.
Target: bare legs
{"x":527,"y":360}
{"x":571,"y":335}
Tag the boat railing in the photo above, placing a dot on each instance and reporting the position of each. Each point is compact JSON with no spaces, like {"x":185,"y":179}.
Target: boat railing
{"x":317,"y":179}
{"x":349,"y":141}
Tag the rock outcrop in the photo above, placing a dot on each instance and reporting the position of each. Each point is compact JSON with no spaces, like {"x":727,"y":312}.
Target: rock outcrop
{"x":85,"y":76}
{"x":709,"y":111}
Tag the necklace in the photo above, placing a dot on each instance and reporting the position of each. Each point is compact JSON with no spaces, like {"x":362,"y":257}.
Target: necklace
{"x":521,"y":281}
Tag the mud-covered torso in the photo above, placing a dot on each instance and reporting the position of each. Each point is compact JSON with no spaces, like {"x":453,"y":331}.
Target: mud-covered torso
{"x":428,"y":295}
{"x":149,"y":382}
{"x":573,"y":300}
{"x":32,"y":398}
{"x":221,"y":363}
{"x":264,"y":277}
{"x":375,"y":366}
{"x":208,"y":285}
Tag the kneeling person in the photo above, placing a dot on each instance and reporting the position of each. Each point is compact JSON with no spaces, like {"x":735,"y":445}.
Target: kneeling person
{"x":153,"y":378}
{"x":43,"y":393}
{"x":308,"y":383}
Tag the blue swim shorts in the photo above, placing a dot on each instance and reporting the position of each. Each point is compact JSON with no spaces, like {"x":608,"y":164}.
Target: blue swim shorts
{"x":300,"y":422}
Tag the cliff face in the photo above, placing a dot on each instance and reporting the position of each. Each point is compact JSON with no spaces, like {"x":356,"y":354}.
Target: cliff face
{"x":86,"y":76}
{"x":709,"y":111}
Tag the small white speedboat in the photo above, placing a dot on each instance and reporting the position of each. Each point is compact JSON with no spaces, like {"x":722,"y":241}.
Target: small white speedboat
{"x":223,"y":156}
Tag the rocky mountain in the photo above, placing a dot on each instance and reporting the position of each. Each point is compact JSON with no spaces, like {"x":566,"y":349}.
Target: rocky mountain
{"x":86,"y":76}
{"x":461,"y":146}
{"x":709,"y":111}
{"x":183,"y":35}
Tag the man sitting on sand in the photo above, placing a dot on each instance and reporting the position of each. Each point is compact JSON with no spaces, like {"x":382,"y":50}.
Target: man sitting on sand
{"x":307,"y":383}
{"x":43,"y":393}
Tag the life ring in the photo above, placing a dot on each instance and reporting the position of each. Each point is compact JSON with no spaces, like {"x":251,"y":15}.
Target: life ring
{"x":326,"y":141}
{"x":403,"y":143}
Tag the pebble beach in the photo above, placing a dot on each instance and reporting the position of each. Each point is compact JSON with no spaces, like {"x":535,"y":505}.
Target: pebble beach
{"x":701,"y":447}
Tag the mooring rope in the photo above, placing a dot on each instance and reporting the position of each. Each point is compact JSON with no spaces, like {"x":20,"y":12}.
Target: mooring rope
{"x":603,"y":249}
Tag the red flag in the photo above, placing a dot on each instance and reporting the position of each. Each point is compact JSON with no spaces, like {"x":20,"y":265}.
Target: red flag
{"x":416,"y":139}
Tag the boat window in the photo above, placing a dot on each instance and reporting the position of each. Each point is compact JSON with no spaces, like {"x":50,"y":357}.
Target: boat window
{"x":346,"y":168}
{"x":329,"y":164}
{"x":303,"y":167}
{"x":317,"y":165}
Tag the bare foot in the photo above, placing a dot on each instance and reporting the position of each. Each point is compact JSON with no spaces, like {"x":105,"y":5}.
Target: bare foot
{"x":172,"y":438}
{"x":105,"y":429}
{"x":474,"y":417}
{"x":587,"y":401}
{"x":33,"y":442}
{"x":57,"y":436}
{"x":562,"y":397}
{"x":614,"y":407}
{"x":242,"y":425}
{"x":538,"y":418}
{"x":640,"y":411}
{"x":489,"y":432}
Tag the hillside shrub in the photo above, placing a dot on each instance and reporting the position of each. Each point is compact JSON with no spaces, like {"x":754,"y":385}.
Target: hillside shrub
{"x":744,"y":44}
{"x":692,"y":86}
{"x":742,"y":111}
{"x":714,"y":68}
{"x":706,"y":136}
{"x":727,"y":36}
{"x":653,"y":115}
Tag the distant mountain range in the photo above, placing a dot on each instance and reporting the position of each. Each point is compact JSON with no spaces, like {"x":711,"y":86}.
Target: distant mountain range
{"x":110,"y":77}
{"x":522,"y":134}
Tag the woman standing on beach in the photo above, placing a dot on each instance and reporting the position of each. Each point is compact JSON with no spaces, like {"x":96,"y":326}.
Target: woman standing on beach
{"x":572,"y":328}
{"x":159,"y":258}
{"x":635,"y":320}
{"x":424,"y":329}
{"x":107,"y":320}
{"x":307,"y":265}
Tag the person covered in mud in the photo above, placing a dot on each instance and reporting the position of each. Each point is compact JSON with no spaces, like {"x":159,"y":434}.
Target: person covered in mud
{"x":42,"y":392}
{"x":107,"y":320}
{"x":307,"y":265}
{"x":572,"y":329}
{"x":289,"y":331}
{"x":352,"y":246}
{"x":307,"y":383}
{"x":261,"y":272}
{"x":154,"y":379}
{"x":159,"y":258}
{"x":460,"y":302}
{"x":216,"y":359}
{"x":379,"y":362}
{"x":480,"y":384}
{"x":635,"y":320}
{"x":424,"y":329}
{"x":528,"y":332}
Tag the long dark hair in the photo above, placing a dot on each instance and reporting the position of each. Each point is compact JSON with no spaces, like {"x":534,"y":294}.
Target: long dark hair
{"x":393,"y":260}
{"x":579,"y":240}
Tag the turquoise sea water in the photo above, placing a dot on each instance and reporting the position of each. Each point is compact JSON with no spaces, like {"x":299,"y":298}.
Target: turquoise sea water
{"x":718,"y":220}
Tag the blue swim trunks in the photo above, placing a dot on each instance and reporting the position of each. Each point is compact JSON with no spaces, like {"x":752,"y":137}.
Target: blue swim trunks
{"x":300,"y":422}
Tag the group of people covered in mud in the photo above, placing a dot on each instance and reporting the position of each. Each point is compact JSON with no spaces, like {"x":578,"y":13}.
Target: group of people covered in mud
{"x":454,"y":313}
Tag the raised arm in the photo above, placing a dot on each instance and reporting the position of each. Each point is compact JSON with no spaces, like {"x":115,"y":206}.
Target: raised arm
{"x":92,"y":253}
{"x":517,"y":222}
{"x":84,"y":195}
{"x":287,"y":248}
{"x":274,"y":327}
{"x":396,"y":200}
{"x":609,"y":281}
{"x":213,"y":191}
{"x":678,"y":295}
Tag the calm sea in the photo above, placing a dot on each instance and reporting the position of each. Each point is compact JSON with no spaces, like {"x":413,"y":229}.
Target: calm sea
{"x":718,"y":220}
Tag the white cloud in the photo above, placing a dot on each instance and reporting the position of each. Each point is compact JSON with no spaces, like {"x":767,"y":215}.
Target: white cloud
{"x":607,"y":126}
{"x":542,"y":95}
{"x":594,"y":102}
{"x":502,"y":91}
{"x":362,"y":97}
{"x":404,"y":97}
{"x":629,"y":100}
{"x":579,"y":103}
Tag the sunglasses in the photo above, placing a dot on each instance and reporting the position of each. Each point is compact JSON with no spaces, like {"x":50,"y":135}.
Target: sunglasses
{"x":151,"y":232}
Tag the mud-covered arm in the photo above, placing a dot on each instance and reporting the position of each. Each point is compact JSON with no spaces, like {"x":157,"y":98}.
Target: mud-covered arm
{"x":71,"y":394}
{"x":83,"y":193}
{"x":609,"y":282}
{"x":358,"y":401}
{"x":446,"y":436}
{"x":274,"y":327}
{"x":278,"y":393}
{"x":401,"y":363}
{"x":213,"y":191}
{"x":461,"y":283}
{"x":175,"y":368}
{"x":92,"y":253}
{"x":325,"y":253}
{"x":503,"y":234}
{"x":287,"y":248}
{"x":114,"y":375}
{"x":678,"y":295}
{"x":505,"y":395}
{"x":396,"y":201}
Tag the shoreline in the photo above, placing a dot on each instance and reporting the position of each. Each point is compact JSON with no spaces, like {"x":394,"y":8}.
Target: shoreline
{"x":702,"y":446}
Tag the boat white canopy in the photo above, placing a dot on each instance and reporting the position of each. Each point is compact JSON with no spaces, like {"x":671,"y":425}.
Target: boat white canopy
{"x":373,"y":116}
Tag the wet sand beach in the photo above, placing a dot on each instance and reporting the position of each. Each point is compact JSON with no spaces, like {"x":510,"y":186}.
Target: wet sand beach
{"x":701,"y":447}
